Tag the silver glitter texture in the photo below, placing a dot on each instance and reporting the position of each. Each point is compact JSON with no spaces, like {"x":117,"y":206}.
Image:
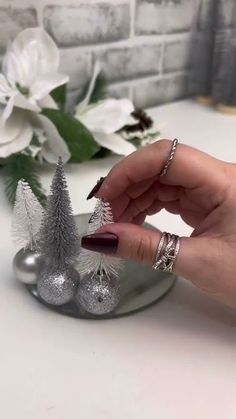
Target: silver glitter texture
{"x":27,"y":266}
{"x":99,"y":294}
{"x":58,"y":288}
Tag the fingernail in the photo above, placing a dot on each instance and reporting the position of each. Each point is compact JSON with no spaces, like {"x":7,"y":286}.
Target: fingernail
{"x":100,"y":242}
{"x":96,"y":188}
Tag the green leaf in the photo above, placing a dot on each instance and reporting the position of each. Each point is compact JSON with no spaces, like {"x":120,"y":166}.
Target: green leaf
{"x":59,"y":95}
{"x":20,"y":166}
{"x":103,"y":152}
{"x":136,"y":141}
{"x":79,"y":139}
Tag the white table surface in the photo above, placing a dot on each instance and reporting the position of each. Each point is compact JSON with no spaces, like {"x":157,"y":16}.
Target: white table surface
{"x":176,"y":360}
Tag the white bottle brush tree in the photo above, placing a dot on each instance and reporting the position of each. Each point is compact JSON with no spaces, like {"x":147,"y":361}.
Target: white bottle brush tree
{"x":93,"y":263}
{"x":27,"y":217}
{"x":99,"y":289}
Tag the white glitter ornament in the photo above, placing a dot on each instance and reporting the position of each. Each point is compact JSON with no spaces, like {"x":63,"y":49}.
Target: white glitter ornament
{"x":28,"y":265}
{"x":99,"y":294}
{"x":58,"y":288}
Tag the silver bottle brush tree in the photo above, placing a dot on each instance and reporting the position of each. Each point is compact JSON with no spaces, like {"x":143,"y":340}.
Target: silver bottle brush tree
{"x":59,"y":244}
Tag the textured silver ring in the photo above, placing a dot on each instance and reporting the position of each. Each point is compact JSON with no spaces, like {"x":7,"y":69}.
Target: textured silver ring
{"x":170,"y":157}
{"x":167,"y":252}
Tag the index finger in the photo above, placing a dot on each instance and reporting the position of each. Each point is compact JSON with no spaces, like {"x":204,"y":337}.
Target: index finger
{"x":190,"y":168}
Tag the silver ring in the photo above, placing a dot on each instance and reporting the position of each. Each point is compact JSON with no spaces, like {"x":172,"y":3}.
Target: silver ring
{"x":167,"y":252}
{"x":170,"y":157}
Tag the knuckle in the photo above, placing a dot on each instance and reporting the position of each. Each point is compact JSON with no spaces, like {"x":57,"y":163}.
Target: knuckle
{"x":144,"y":249}
{"x":135,"y":209}
{"x":163,"y":145}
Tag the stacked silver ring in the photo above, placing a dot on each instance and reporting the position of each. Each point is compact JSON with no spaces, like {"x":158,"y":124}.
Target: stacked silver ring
{"x":168,"y":247}
{"x":167,"y":251}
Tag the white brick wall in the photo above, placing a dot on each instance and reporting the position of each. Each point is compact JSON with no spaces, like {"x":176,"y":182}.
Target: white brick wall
{"x":168,"y":16}
{"x":13,"y":20}
{"x":86,"y":23}
{"x":143,"y":45}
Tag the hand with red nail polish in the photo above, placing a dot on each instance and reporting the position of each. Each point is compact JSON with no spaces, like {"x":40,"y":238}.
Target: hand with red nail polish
{"x":100,"y":242}
{"x":197,"y":187}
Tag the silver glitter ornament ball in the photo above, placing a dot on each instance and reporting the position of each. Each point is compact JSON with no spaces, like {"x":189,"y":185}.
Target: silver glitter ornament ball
{"x":99,"y":295}
{"x":28,"y":266}
{"x":58,"y":288}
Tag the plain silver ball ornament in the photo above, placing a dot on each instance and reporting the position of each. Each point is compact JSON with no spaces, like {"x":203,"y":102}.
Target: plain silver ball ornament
{"x":28,"y":266}
{"x":58,"y":288}
{"x":99,"y":294}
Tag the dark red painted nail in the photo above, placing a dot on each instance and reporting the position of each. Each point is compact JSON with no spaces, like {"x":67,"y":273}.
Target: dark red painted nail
{"x":96,"y":188}
{"x":100,"y":242}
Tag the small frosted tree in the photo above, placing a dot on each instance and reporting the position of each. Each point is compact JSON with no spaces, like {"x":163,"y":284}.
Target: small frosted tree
{"x":93,"y":262}
{"x":59,"y":240}
{"x":27,"y":217}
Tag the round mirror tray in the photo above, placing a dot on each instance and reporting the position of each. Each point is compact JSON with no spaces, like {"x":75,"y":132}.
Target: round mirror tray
{"x":141,"y":287}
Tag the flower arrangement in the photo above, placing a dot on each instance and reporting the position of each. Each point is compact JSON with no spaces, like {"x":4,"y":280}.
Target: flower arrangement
{"x":35,"y":126}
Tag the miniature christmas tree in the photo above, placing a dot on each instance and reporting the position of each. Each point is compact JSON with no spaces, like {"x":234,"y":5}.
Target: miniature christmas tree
{"x":59,"y":245}
{"x":97,"y":263}
{"x":59,"y":241}
{"x":99,"y":290}
{"x":27,"y":217}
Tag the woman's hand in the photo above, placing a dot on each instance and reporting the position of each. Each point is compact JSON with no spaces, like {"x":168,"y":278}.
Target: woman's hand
{"x":200,"y":188}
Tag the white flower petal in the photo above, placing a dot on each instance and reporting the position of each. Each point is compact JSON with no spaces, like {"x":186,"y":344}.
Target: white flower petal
{"x":23,"y":102}
{"x":131,"y":120}
{"x":43,"y":85}
{"x":82,"y":105}
{"x":108,"y":116}
{"x":10,"y":129}
{"x":11,"y":67}
{"x":55,"y":146}
{"x":16,"y":99}
{"x":5,"y":89}
{"x":19,"y":130}
{"x":115,"y":143}
{"x":7,"y":97}
{"x":34,"y":52}
{"x":9,"y":107}
{"x":48,"y":102}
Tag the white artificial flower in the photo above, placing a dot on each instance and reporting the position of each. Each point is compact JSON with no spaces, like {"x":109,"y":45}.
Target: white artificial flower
{"x":30,"y":72}
{"x":18,"y":130}
{"x":105,"y":118}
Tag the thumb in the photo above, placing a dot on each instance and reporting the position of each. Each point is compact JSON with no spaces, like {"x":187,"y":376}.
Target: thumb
{"x":197,"y":259}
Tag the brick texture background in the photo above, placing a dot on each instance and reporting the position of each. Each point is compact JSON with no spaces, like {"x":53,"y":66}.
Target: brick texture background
{"x":144,"y":45}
